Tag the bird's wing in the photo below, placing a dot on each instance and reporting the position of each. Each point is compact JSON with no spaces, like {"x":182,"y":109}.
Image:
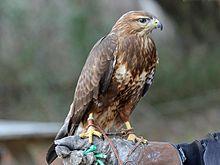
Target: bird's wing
{"x":98,"y":68}
{"x":95,"y":77}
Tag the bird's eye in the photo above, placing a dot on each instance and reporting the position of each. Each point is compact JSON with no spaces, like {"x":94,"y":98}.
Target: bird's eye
{"x":143,"y":20}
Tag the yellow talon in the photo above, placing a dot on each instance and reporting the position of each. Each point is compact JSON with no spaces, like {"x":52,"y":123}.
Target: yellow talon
{"x":90,"y":131}
{"x":132,"y":136}
{"x":89,"y":134}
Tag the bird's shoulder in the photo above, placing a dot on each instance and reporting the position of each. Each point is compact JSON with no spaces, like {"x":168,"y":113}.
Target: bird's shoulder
{"x":104,"y":46}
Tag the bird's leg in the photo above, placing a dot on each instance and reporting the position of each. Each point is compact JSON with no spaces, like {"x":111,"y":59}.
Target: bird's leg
{"x":132,"y":136}
{"x":90,"y":130}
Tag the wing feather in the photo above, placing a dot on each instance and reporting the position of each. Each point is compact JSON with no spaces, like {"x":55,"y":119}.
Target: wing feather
{"x":98,"y":66}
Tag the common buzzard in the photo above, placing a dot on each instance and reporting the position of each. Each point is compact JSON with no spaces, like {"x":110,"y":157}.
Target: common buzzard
{"x":117,"y":73}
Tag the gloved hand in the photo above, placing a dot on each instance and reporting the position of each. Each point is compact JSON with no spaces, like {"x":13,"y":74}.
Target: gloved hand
{"x":71,"y":149}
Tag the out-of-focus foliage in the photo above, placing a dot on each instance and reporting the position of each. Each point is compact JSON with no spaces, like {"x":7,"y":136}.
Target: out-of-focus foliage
{"x":44,"y":45}
{"x":197,"y":22}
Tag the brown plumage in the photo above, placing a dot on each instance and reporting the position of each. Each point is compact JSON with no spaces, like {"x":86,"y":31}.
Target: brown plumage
{"x":117,"y":73}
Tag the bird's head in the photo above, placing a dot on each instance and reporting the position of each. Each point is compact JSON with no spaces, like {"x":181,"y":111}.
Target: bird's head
{"x":137,"y":22}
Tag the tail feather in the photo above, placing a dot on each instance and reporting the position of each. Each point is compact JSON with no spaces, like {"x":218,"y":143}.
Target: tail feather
{"x":67,"y":127}
{"x":51,"y":154}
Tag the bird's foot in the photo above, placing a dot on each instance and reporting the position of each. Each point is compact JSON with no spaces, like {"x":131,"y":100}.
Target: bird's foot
{"x":90,"y":131}
{"x":134,"y":138}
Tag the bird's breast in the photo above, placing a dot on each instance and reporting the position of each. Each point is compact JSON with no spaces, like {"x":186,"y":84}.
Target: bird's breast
{"x":126,"y":77}
{"x":123,"y":74}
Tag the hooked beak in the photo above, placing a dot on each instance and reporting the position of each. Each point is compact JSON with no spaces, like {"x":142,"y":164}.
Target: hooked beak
{"x":156,"y":23}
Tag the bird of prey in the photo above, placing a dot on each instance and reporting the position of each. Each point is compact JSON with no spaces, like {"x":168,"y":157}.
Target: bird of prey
{"x":117,"y":73}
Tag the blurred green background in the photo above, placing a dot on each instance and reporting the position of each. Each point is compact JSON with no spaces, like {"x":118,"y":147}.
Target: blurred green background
{"x":44,"y":44}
